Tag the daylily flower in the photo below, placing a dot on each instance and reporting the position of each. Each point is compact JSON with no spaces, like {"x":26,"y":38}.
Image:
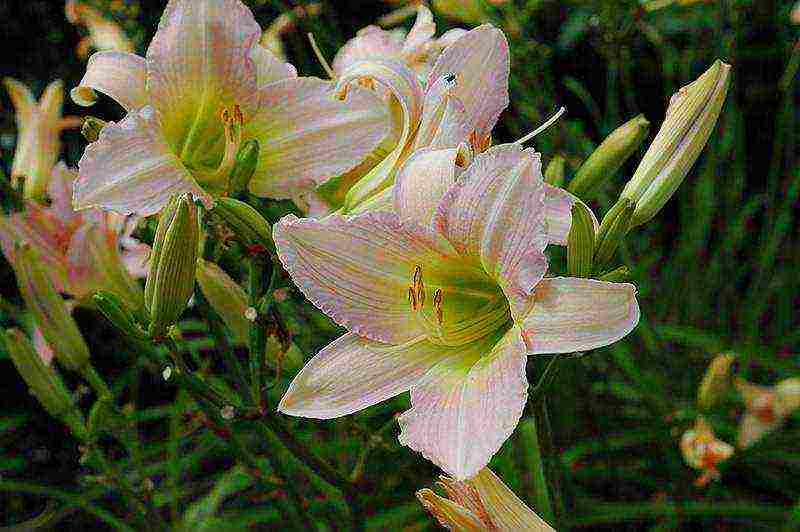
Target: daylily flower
{"x":39,"y":126}
{"x":105,"y":35}
{"x":418,"y":49}
{"x":83,"y":251}
{"x":767,"y":408}
{"x":204,"y":88}
{"x":702,"y":450}
{"x":480,"y":503}
{"x":445,"y":297}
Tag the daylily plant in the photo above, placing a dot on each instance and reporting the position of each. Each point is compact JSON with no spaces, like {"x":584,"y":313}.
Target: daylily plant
{"x":205,"y":87}
{"x":767,"y":408}
{"x":39,"y":126}
{"x":480,"y":503}
{"x":445,"y":297}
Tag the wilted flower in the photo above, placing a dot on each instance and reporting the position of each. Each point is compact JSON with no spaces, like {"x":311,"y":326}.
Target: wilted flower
{"x":83,"y":252}
{"x":703,"y":451}
{"x":105,"y":35}
{"x":691,"y":116}
{"x":205,"y":88}
{"x":482,"y":502}
{"x":445,"y":297}
{"x":767,"y":408}
{"x":39,"y":126}
{"x":716,"y":381}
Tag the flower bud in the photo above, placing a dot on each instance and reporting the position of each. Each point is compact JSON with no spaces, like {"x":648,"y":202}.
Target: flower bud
{"x":617,"y":275}
{"x":247,"y":224}
{"x":580,"y":242}
{"x":91,"y":128}
{"x":49,"y":310}
{"x":43,"y":381}
{"x":244,"y":167}
{"x":118,"y":314}
{"x":554,"y":174}
{"x":609,"y":156}
{"x":173,"y":263}
{"x":716,"y":381}
{"x":613,"y":229}
{"x":691,"y":116}
{"x":226,"y":298}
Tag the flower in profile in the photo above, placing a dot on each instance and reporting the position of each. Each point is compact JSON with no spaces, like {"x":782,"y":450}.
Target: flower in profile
{"x":39,"y":126}
{"x":445,"y":297}
{"x":702,"y":450}
{"x":767,"y":408}
{"x":105,"y":35}
{"x":83,"y":252}
{"x":206,"y":87}
{"x":482,"y":502}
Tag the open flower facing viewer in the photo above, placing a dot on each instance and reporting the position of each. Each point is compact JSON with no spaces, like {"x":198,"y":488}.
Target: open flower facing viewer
{"x":445,"y":299}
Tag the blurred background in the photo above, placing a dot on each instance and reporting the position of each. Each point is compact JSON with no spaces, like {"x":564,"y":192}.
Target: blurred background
{"x":717,"y":271}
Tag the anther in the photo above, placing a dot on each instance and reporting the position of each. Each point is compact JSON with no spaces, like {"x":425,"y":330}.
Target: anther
{"x":438,"y":296}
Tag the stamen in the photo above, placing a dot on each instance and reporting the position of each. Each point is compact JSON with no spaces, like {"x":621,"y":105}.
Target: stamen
{"x":438,"y":296}
{"x":549,"y":122}
{"x":321,"y":58}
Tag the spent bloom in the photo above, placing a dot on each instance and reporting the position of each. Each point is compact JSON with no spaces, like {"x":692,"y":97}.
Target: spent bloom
{"x":767,"y":408}
{"x":702,"y":450}
{"x":482,"y":502}
{"x":105,"y":35}
{"x":204,"y":88}
{"x":445,"y":297}
{"x":39,"y":126}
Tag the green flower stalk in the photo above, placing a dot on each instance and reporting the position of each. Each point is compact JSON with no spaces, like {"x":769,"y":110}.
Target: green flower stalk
{"x":49,"y":310}
{"x":609,"y":156}
{"x":690,"y":119}
{"x":42,"y":380}
{"x":170,"y":282}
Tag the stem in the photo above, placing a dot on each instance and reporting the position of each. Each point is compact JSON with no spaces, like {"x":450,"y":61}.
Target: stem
{"x":96,"y":381}
{"x":231,"y":361}
{"x":371,"y":443}
{"x":532,"y":461}
{"x":257,"y":339}
{"x":546,"y":379}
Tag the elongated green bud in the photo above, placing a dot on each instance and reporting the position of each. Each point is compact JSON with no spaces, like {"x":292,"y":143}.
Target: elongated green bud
{"x":612,"y":153}
{"x":43,"y":381}
{"x":118,"y":313}
{"x":250,"y":228}
{"x":691,"y":116}
{"x":716,"y":381}
{"x":91,"y":128}
{"x":556,"y":169}
{"x":613,"y":229}
{"x":580,"y":242}
{"x":244,"y":167}
{"x":49,"y":310}
{"x":226,"y":298}
{"x":617,"y":275}
{"x":170,"y":282}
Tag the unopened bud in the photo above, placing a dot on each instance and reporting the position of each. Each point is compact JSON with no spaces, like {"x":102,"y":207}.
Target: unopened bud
{"x":690,"y":119}
{"x":609,"y":156}
{"x":716,"y":381}
{"x":118,"y":314}
{"x":43,"y":381}
{"x":555,"y":171}
{"x":244,"y":167}
{"x":173,"y":264}
{"x":92,"y":127}
{"x":613,"y":229}
{"x":49,"y":309}
{"x":580,"y":242}
{"x":617,"y":275}
{"x":250,"y":228}
{"x":226,"y":298}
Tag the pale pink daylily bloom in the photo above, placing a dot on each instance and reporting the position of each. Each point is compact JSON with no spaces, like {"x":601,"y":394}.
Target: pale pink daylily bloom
{"x":702,"y":450}
{"x":447,"y":306}
{"x":418,"y":49}
{"x":39,"y":126}
{"x":105,"y":35}
{"x":767,"y":408}
{"x":84,"y":251}
{"x":480,"y":503}
{"x":204,"y":87}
